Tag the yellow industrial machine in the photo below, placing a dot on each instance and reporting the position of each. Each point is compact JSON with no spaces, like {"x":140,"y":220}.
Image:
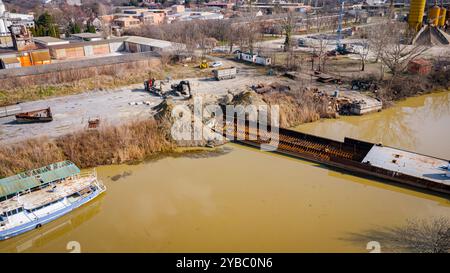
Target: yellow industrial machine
{"x":433,"y":15}
{"x":416,"y":11}
{"x":204,"y":64}
{"x":442,"y":17}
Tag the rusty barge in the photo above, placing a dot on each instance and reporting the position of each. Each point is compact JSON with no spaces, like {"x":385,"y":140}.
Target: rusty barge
{"x":42,"y":115}
{"x":360,"y":157}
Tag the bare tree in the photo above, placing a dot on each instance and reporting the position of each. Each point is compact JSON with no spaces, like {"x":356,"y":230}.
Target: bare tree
{"x":419,"y":236}
{"x":288,"y":24}
{"x":247,"y":34}
{"x":363,"y":52}
{"x":230,"y":36}
{"x":321,"y":52}
{"x":394,"y":46}
{"x":106,"y":29}
{"x":375,"y":36}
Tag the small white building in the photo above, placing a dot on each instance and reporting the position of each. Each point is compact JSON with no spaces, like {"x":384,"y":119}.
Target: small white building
{"x":253,"y":58}
{"x":376,"y":2}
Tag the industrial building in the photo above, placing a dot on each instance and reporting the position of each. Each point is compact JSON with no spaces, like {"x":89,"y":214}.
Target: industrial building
{"x":130,"y":44}
{"x":8,"y":18}
{"x":49,"y":49}
{"x":83,"y":49}
{"x":128,"y":17}
{"x":134,"y":17}
{"x":47,"y":41}
{"x":24,"y":59}
{"x":136,"y":44}
{"x":429,"y":27}
{"x":127,"y":22}
{"x":9,"y":62}
{"x":87,"y":36}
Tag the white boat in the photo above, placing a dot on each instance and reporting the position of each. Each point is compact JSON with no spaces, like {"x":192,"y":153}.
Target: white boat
{"x":31,"y":199}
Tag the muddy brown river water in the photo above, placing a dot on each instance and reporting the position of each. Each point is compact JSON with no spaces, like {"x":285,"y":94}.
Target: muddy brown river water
{"x":244,"y":200}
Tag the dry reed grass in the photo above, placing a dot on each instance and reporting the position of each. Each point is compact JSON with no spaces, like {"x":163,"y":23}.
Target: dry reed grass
{"x":89,"y":148}
{"x":74,"y":81}
{"x":298,"y":106}
{"x":27,"y":155}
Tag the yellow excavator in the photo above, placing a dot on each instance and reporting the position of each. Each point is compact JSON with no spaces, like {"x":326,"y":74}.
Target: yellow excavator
{"x":204,"y":64}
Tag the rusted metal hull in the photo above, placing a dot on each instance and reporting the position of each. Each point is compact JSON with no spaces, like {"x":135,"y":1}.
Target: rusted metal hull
{"x":43,"y":115}
{"x":347,"y":155}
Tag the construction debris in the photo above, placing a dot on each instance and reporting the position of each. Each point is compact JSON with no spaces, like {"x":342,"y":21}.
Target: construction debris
{"x":364,"y":84}
{"x":93,"y":123}
{"x":182,"y":89}
{"x":271,"y":87}
{"x":325,"y":78}
{"x":355,"y":103}
{"x":42,"y":115}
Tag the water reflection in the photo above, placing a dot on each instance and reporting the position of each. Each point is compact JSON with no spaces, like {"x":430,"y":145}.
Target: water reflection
{"x":408,"y":125}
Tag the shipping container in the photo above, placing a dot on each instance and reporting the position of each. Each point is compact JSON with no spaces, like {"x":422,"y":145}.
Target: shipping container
{"x":225,"y":73}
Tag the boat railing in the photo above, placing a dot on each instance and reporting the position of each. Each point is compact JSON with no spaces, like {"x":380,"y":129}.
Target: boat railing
{"x":91,"y":174}
{"x":86,"y":174}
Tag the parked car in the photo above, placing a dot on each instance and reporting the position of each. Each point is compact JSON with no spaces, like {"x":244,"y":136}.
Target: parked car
{"x":216,"y":64}
{"x":301,"y":42}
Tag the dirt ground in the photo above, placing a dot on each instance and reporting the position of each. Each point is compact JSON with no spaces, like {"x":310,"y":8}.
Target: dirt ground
{"x":113,"y":107}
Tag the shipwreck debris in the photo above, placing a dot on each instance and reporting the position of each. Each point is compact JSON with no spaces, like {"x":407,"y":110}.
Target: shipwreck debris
{"x":93,"y":123}
{"x":42,"y":115}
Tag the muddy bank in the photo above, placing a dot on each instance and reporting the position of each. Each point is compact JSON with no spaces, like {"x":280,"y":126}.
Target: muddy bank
{"x":129,"y":143}
{"x":140,"y":140}
{"x":408,"y":86}
{"x":404,"y":86}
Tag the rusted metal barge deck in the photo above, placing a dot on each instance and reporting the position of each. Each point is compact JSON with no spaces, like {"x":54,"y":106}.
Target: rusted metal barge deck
{"x":361,"y":157}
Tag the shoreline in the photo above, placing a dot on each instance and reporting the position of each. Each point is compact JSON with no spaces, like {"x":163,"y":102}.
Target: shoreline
{"x":107,"y":146}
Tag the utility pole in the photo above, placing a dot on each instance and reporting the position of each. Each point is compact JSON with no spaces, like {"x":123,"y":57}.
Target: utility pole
{"x":339,"y":30}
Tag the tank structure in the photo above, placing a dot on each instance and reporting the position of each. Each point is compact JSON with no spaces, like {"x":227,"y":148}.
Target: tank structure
{"x":429,"y":33}
{"x":433,"y":15}
{"x":442,"y":17}
{"x":416,"y":12}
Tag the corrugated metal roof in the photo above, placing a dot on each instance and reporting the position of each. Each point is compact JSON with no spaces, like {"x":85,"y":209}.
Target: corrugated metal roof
{"x":149,"y":41}
{"x":82,"y":44}
{"x":49,"y":39}
{"x":88,"y":35}
{"x":30,"y":179}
